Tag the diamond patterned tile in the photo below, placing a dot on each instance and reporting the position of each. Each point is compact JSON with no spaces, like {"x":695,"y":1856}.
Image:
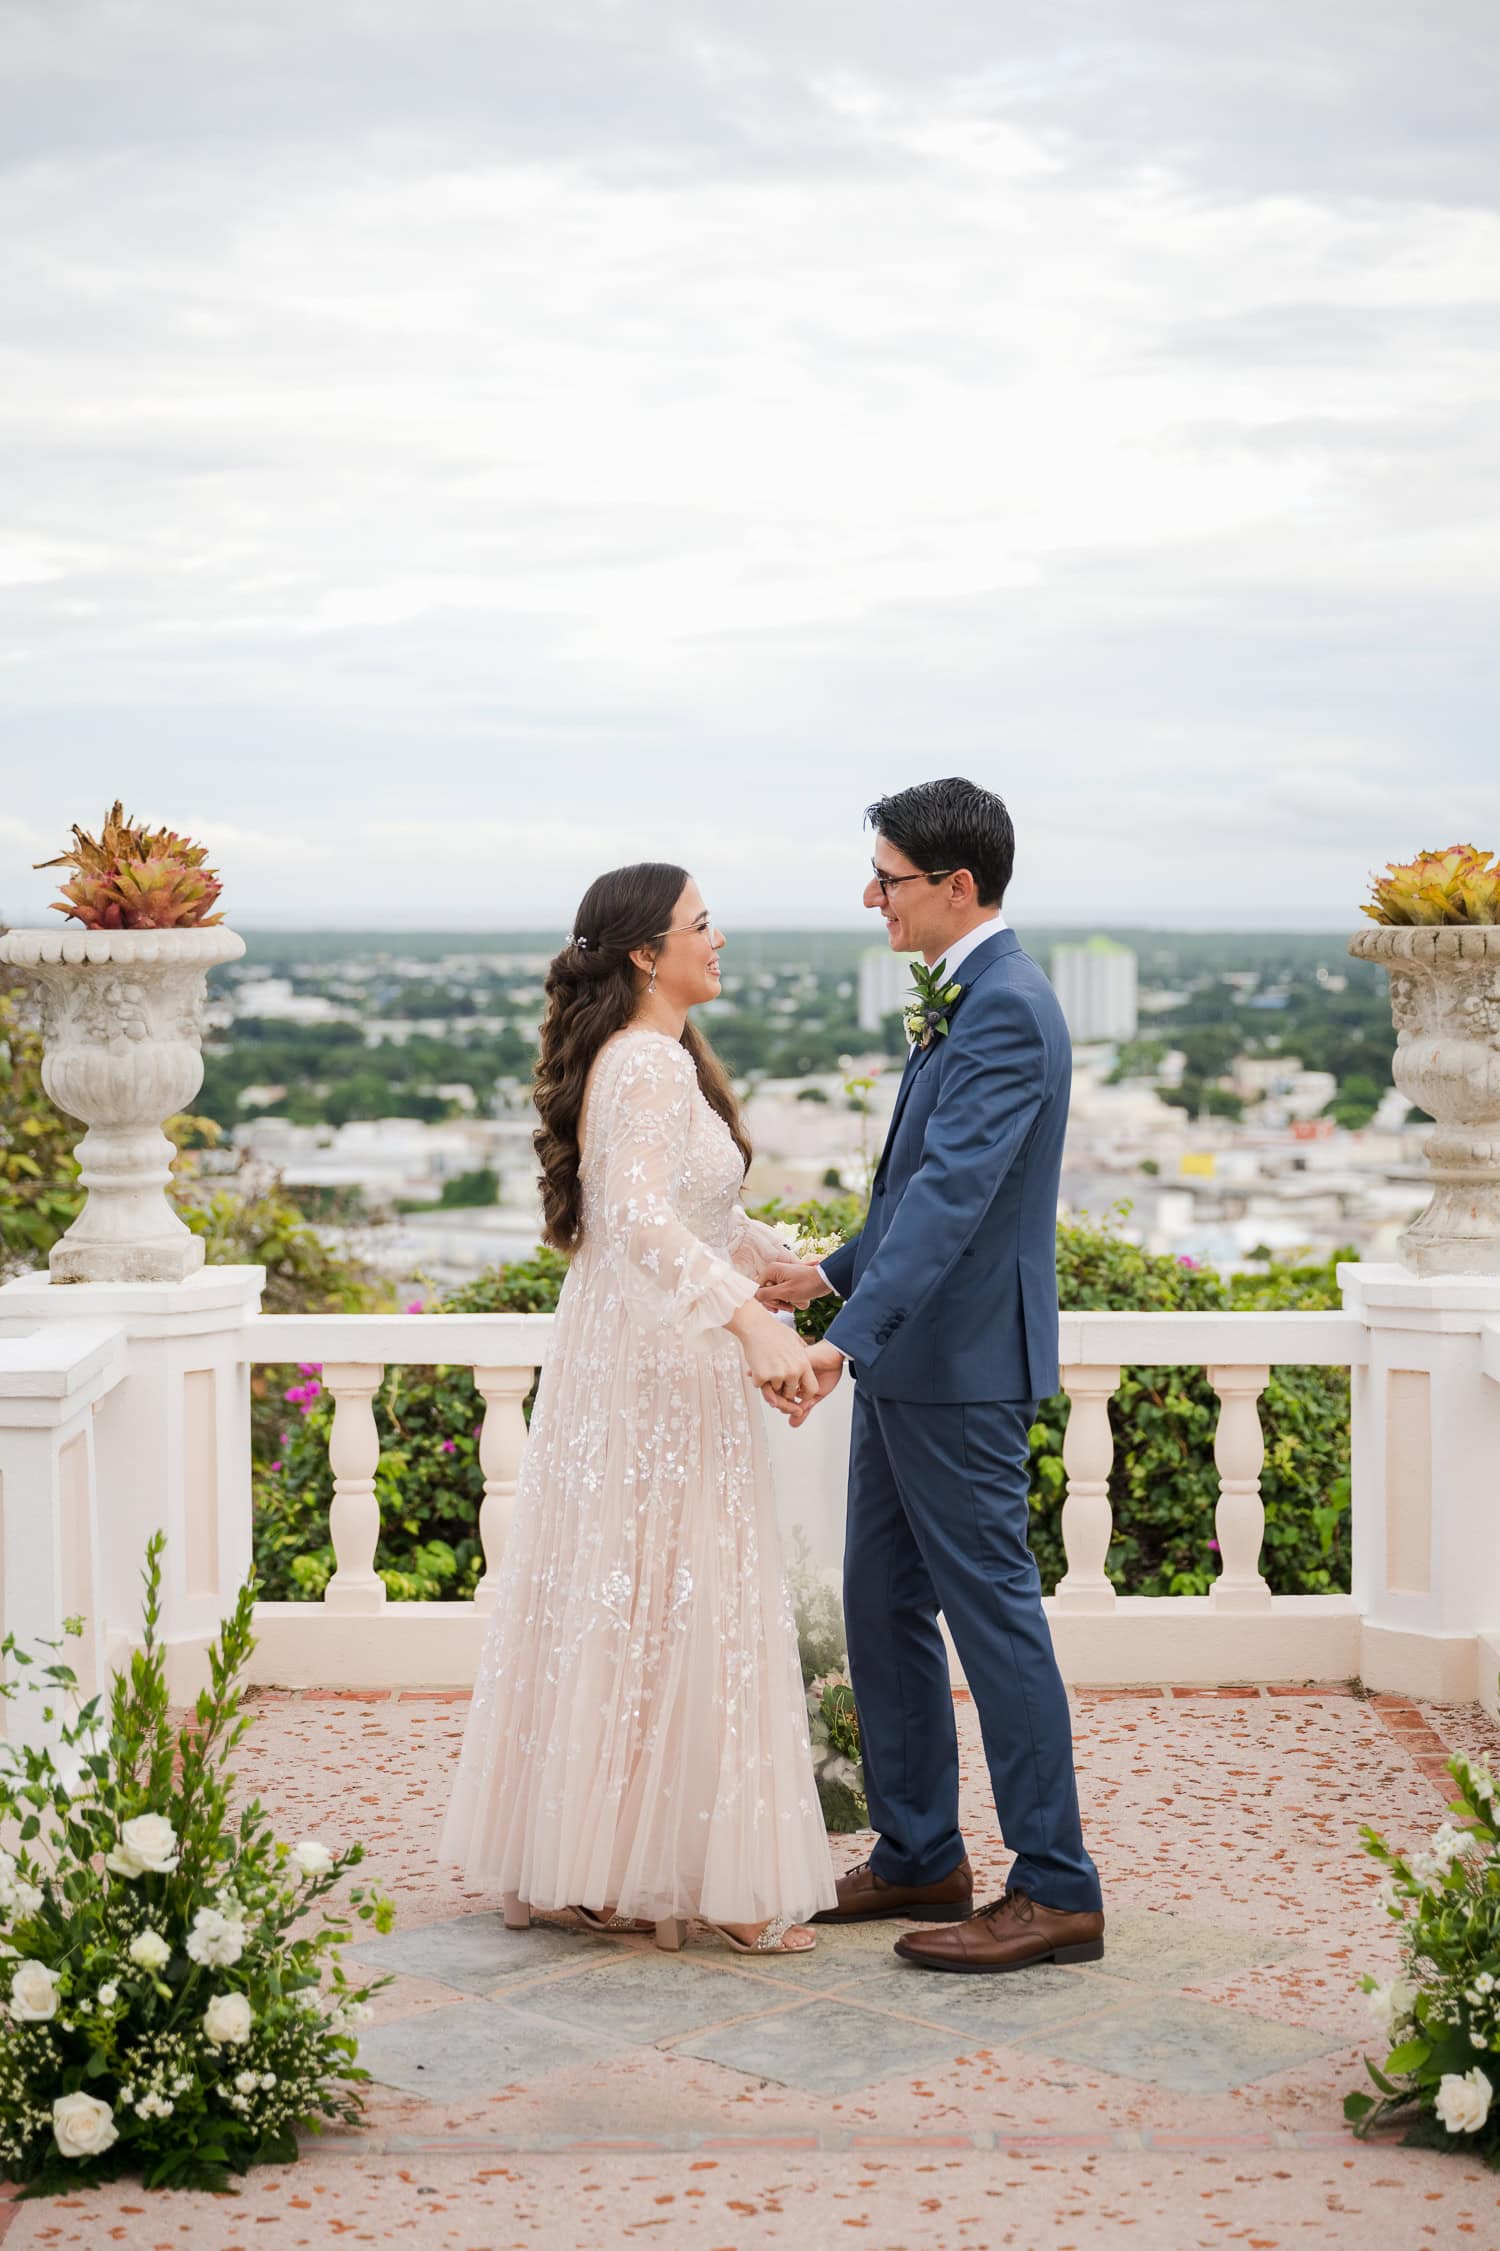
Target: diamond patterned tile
{"x":1176,"y":1950}
{"x":476,"y":1952}
{"x":1191,"y":2047}
{"x":826,"y":2048}
{"x":641,"y":1996}
{"x":987,"y":2010}
{"x":472,"y":2048}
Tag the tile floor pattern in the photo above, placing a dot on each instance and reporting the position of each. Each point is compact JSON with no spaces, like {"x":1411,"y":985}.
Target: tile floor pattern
{"x":551,"y":2088}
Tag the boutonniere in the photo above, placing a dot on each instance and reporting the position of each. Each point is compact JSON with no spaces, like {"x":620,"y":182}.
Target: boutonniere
{"x":928,"y":1011}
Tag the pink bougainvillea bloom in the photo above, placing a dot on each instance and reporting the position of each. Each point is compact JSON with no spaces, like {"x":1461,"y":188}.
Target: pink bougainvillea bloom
{"x":1214,"y":1545}
{"x":476,"y":1430}
{"x":275,"y":1465}
{"x":309,"y":1367}
{"x":416,"y":1306}
{"x":1190,"y":1263}
{"x":450,"y":1446}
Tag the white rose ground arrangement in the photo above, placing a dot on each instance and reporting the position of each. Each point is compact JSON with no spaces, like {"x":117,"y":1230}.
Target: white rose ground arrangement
{"x":1440,"y":2017}
{"x":174,"y":2001}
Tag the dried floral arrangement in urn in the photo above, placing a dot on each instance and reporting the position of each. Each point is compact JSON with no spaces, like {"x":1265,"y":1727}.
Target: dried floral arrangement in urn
{"x":131,"y":877}
{"x":121,"y":986}
{"x":1437,"y":936}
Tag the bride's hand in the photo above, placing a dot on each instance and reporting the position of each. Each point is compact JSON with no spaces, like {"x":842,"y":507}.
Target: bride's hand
{"x":775,"y":1356}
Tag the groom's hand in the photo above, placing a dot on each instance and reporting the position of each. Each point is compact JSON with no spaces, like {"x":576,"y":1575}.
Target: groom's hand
{"x":828,"y":1366}
{"x":791,"y":1282}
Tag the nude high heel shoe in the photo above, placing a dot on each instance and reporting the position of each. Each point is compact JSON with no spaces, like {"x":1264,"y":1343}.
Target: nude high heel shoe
{"x":670,"y":1933}
{"x":517,"y":1913}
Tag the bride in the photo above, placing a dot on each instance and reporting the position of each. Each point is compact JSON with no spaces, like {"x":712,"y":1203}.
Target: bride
{"x":637,"y":1747}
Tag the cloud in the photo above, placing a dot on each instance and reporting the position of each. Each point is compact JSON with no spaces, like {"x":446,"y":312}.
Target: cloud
{"x":582,"y":426}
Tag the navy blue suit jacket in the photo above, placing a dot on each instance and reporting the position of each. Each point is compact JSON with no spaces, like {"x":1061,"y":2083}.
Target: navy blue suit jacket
{"x":951,"y":1285}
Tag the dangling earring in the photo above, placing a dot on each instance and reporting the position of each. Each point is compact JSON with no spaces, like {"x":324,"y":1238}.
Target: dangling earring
{"x":652,"y":986}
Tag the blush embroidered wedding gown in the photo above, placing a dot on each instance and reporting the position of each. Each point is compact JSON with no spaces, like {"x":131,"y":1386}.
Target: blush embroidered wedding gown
{"x":638,"y":1733}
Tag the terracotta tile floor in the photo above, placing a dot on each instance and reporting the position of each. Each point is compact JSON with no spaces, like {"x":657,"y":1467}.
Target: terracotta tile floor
{"x":554,"y":2091}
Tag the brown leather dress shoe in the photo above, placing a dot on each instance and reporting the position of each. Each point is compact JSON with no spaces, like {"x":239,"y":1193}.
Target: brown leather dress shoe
{"x":1008,"y":1935}
{"x":864,"y":1896}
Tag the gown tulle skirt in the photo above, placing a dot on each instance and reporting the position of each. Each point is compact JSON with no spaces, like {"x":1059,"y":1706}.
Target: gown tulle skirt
{"x":638,"y":1733}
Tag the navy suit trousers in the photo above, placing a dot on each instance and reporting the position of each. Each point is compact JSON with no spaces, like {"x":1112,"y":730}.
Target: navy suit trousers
{"x":937,"y":1522}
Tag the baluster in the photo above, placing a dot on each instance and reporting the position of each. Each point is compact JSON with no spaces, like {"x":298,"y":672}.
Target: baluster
{"x":502,"y":1435}
{"x":354,"y":1519}
{"x":1240,"y":1517}
{"x":1087,"y":1518}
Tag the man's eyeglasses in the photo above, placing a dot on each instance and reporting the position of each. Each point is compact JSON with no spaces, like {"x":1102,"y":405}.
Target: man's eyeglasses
{"x":888,"y":883}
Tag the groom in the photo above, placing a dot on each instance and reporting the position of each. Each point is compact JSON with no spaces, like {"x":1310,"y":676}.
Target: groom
{"x":950,"y":1329}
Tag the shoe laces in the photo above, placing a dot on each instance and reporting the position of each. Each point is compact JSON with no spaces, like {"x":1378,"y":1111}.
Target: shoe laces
{"x":1017,"y":1903}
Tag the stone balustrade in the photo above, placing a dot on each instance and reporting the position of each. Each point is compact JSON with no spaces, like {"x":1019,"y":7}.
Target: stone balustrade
{"x":159,"y":1390}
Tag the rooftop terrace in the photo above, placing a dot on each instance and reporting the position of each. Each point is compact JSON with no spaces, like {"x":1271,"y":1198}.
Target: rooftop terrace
{"x":545,"y":2089}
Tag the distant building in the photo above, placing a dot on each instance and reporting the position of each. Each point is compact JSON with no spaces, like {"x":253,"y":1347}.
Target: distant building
{"x":1096,"y":984}
{"x":884,"y":985}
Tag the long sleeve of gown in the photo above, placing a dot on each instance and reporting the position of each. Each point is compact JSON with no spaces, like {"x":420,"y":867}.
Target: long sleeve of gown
{"x":670,"y":1276}
{"x":753,"y":1246}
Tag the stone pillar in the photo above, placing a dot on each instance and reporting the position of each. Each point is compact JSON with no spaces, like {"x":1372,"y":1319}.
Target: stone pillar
{"x":171,"y":1449}
{"x":1425,"y":1447}
{"x":53,"y":1378}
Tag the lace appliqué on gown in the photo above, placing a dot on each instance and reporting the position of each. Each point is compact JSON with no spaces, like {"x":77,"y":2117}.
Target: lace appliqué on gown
{"x":638,"y":1734}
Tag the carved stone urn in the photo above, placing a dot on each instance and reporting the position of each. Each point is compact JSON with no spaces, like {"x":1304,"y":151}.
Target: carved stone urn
{"x":1445,"y":1001}
{"x":122,"y":1027}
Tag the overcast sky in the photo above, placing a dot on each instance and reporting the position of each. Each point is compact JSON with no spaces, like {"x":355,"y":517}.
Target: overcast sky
{"x":453,"y":448}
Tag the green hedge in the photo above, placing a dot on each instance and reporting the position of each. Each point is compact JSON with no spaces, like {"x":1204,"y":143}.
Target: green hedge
{"x":1163,"y":1485}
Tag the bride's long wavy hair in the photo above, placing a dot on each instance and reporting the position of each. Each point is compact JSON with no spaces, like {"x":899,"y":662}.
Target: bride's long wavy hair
{"x":593,"y":988}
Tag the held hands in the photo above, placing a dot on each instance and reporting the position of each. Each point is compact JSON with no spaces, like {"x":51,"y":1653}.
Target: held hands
{"x":791,"y":1282}
{"x":828,"y":1366}
{"x":776,"y":1358}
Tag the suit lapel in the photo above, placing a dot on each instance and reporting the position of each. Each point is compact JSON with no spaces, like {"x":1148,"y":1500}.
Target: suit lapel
{"x":967,"y":973}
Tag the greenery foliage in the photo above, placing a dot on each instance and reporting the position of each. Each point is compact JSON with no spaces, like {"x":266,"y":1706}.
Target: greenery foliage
{"x":429,"y":1484}
{"x":39,"y":1192}
{"x":1441,"y":2016}
{"x":167,"y":2009}
{"x":1164,"y":1485}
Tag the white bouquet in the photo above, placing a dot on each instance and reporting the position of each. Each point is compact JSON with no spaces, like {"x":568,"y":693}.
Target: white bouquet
{"x":157,"y":2016}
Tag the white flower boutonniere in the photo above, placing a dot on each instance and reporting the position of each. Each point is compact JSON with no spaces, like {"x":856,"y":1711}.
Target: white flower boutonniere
{"x":931,"y":1005}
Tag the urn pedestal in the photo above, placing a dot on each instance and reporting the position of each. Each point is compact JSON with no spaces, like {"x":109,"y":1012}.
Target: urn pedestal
{"x":122,"y":1026}
{"x":1445,"y":1001}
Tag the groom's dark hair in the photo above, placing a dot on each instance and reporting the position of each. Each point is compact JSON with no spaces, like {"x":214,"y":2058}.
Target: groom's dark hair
{"x":951,"y":824}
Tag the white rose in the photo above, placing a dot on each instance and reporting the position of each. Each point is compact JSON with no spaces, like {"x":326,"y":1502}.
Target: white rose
{"x":228,"y":2017}
{"x":1391,"y":2004}
{"x":82,"y":2126}
{"x":108,"y":1995}
{"x":150,"y":1951}
{"x":246,"y":2082}
{"x":25,"y":1899}
{"x":1463,"y":2101}
{"x":215,"y":1940}
{"x":33,"y":1993}
{"x":1449,"y":1843}
{"x":147,"y":1847}
{"x":310,"y":1858}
